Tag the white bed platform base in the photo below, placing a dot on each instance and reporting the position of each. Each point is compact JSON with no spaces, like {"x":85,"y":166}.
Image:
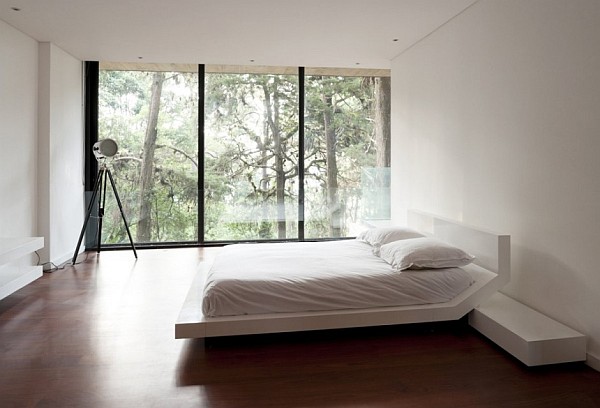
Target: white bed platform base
{"x":491,"y":271}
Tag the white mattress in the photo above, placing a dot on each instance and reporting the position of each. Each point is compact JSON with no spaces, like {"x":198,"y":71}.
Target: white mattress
{"x":314,"y":276}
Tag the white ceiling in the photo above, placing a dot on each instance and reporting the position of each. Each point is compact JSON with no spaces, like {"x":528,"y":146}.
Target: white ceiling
{"x":326,"y":33}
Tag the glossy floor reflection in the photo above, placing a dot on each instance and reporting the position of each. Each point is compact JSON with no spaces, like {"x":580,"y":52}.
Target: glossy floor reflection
{"x":101,"y":334}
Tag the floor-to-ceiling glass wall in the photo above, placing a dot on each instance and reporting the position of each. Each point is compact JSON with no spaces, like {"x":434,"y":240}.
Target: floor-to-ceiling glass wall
{"x":251,"y":154}
{"x":252,"y":159}
{"x":347,"y":148}
{"x":151,"y":111}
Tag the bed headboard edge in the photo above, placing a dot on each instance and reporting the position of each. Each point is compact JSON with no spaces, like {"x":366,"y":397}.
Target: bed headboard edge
{"x":491,"y":250}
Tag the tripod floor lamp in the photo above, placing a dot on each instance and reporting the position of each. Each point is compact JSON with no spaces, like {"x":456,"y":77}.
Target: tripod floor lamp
{"x":102,"y":149}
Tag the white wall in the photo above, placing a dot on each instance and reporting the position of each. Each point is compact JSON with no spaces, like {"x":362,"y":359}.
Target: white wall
{"x":496,"y":121}
{"x":41,"y":139}
{"x":60,"y":171}
{"x":18,"y":132}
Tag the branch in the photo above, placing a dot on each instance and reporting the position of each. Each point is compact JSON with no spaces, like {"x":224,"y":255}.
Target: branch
{"x":136,"y":159}
{"x":176,"y":150}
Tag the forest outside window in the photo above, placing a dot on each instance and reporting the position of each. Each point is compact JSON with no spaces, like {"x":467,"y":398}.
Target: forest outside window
{"x":152,"y":114}
{"x":266,"y":171}
{"x":347,"y":151}
{"x":251,"y":154}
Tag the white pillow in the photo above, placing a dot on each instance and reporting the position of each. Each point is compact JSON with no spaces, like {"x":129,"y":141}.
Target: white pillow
{"x":377,"y":237}
{"x":423,"y":253}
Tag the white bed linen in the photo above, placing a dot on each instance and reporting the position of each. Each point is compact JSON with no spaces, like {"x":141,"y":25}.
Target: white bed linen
{"x":313,"y":276}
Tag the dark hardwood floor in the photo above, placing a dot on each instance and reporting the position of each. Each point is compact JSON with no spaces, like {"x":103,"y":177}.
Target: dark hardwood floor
{"x":101,"y":334}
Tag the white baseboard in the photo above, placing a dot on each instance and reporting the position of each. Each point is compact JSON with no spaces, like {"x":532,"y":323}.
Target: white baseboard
{"x":58,"y":261}
{"x":593,"y":361}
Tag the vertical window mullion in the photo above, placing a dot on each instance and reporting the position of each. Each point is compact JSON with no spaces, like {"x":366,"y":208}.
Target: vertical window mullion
{"x":92,"y":76}
{"x":92,"y":73}
{"x":201,"y":143}
{"x":301,"y":153}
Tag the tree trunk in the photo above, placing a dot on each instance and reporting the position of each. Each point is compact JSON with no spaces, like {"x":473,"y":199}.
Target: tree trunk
{"x":380,"y":208}
{"x":382,"y":121}
{"x":272,"y":107}
{"x":144,"y":228}
{"x":332,"y":169}
{"x":280,"y":174}
{"x":264,"y":230}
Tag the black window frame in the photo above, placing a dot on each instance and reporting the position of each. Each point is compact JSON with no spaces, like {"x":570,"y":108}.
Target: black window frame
{"x":91,"y":89}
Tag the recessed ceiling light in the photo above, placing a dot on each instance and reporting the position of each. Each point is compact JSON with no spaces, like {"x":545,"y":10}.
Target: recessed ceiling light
{"x":357,"y":63}
{"x":251,"y":60}
{"x":395,"y":40}
{"x":140,"y":57}
{"x":15,"y":9}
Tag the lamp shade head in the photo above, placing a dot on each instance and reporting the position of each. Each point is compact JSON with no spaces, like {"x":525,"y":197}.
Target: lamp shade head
{"x":105,"y":148}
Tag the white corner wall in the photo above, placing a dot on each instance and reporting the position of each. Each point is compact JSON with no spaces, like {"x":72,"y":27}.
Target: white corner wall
{"x":18,"y":133}
{"x":41,"y":160}
{"x":496,"y":121}
{"x":60,"y":171}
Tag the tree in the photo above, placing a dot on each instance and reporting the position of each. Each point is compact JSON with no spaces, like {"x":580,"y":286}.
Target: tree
{"x":128,"y":114}
{"x":147,"y":170}
{"x":252,"y":120}
{"x":382,"y":107}
{"x":340,"y":144}
{"x":332,"y":168}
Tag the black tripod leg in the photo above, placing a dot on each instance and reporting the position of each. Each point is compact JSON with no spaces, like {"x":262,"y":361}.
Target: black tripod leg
{"x":112,"y":183}
{"x":87,"y":216}
{"x":101,"y":204}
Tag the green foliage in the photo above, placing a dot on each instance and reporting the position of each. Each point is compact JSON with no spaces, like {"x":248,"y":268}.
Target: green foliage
{"x":123,"y":116}
{"x":349,"y":101}
{"x":251,"y":153}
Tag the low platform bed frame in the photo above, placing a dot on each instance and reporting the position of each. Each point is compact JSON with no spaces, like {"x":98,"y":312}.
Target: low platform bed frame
{"x":490,"y":271}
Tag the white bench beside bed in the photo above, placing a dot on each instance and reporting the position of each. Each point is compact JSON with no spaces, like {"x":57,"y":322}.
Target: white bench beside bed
{"x":489,"y":272}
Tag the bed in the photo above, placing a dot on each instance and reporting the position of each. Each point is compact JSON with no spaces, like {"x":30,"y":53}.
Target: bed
{"x":204,"y":315}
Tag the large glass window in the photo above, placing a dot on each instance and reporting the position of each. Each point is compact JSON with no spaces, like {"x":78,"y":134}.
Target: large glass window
{"x":346,"y":153}
{"x":251,"y":156}
{"x":258,"y":179}
{"x":153,"y":117}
